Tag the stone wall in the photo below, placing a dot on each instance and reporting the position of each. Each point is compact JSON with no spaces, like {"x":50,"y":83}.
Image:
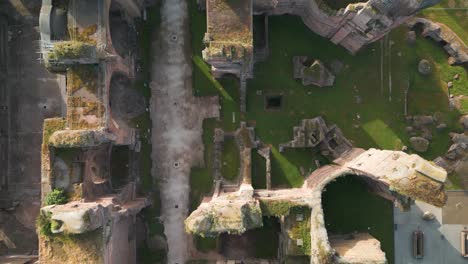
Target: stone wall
{"x":90,"y":129}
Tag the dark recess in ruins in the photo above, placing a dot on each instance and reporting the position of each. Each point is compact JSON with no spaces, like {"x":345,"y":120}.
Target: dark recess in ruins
{"x":273,"y":102}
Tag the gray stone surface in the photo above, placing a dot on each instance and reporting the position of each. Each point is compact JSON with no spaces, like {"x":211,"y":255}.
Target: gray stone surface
{"x":453,"y":45}
{"x":411,"y":37}
{"x":419,"y":144}
{"x":441,"y":242}
{"x":28,"y":94}
{"x":314,"y":73}
{"x":424,"y":67}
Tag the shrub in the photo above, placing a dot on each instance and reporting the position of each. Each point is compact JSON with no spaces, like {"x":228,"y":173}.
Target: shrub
{"x":55,"y":224}
{"x":71,"y":50}
{"x":57,"y":196}
{"x":43,"y":224}
{"x":275,"y":208}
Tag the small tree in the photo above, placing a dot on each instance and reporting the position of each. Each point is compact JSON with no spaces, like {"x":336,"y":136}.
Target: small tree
{"x":57,"y":196}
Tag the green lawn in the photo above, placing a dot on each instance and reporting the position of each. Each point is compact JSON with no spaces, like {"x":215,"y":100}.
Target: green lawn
{"x":358,"y":210}
{"x":381,"y":122}
{"x":377,"y":121}
{"x":291,"y":167}
{"x":452,"y":13}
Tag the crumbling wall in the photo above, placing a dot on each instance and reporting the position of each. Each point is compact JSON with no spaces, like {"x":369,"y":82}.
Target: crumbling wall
{"x":407,"y":175}
{"x":440,"y":33}
{"x":97,"y":225}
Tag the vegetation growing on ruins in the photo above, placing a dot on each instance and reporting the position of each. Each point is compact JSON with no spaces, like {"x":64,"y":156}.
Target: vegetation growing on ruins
{"x":301,"y":229}
{"x":82,"y":76}
{"x":275,"y":207}
{"x":43,"y":224}
{"x":369,"y":108}
{"x":50,"y":126}
{"x":55,"y":225}
{"x":422,"y":188}
{"x":69,"y":50}
{"x":451,"y":13}
{"x":56,"y":196}
{"x":73,"y":248}
{"x":85,"y":35}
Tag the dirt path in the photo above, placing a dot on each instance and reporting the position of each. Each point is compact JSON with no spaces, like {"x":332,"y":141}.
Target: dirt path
{"x":177,"y":124}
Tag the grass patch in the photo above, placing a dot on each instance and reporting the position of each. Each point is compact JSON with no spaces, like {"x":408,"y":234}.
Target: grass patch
{"x":284,"y":172}
{"x":464,"y":105}
{"x":56,"y":196}
{"x":76,"y":248}
{"x":300,"y":230}
{"x":51,"y":125}
{"x":374,"y":129}
{"x":359,"y":210}
{"x":456,"y":182}
{"x":275,"y":207}
{"x":230,"y":159}
{"x":456,"y":19}
{"x":258,"y":171}
{"x":337,"y":104}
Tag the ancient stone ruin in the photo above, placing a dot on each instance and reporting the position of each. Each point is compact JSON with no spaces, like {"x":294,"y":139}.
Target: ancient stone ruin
{"x":229,"y":36}
{"x":312,"y":73}
{"x":314,"y":133}
{"x":394,"y":175}
{"x":97,"y":224}
{"x":442,"y":34}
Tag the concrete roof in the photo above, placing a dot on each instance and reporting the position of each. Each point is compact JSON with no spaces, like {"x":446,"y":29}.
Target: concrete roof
{"x":441,"y":241}
{"x":456,"y":210}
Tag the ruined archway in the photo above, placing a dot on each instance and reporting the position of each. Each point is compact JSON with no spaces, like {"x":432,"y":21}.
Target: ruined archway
{"x":362,"y":216}
{"x":125,"y":102}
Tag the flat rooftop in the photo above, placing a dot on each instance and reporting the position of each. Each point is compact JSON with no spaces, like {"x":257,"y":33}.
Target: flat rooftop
{"x":455,"y":212}
{"x":230,"y":21}
{"x":441,"y":241}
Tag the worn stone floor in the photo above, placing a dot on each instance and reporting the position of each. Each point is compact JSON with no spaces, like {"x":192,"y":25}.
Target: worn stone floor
{"x":177,"y":124}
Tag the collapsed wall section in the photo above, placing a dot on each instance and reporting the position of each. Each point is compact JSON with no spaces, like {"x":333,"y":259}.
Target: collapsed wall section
{"x":83,"y":218}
